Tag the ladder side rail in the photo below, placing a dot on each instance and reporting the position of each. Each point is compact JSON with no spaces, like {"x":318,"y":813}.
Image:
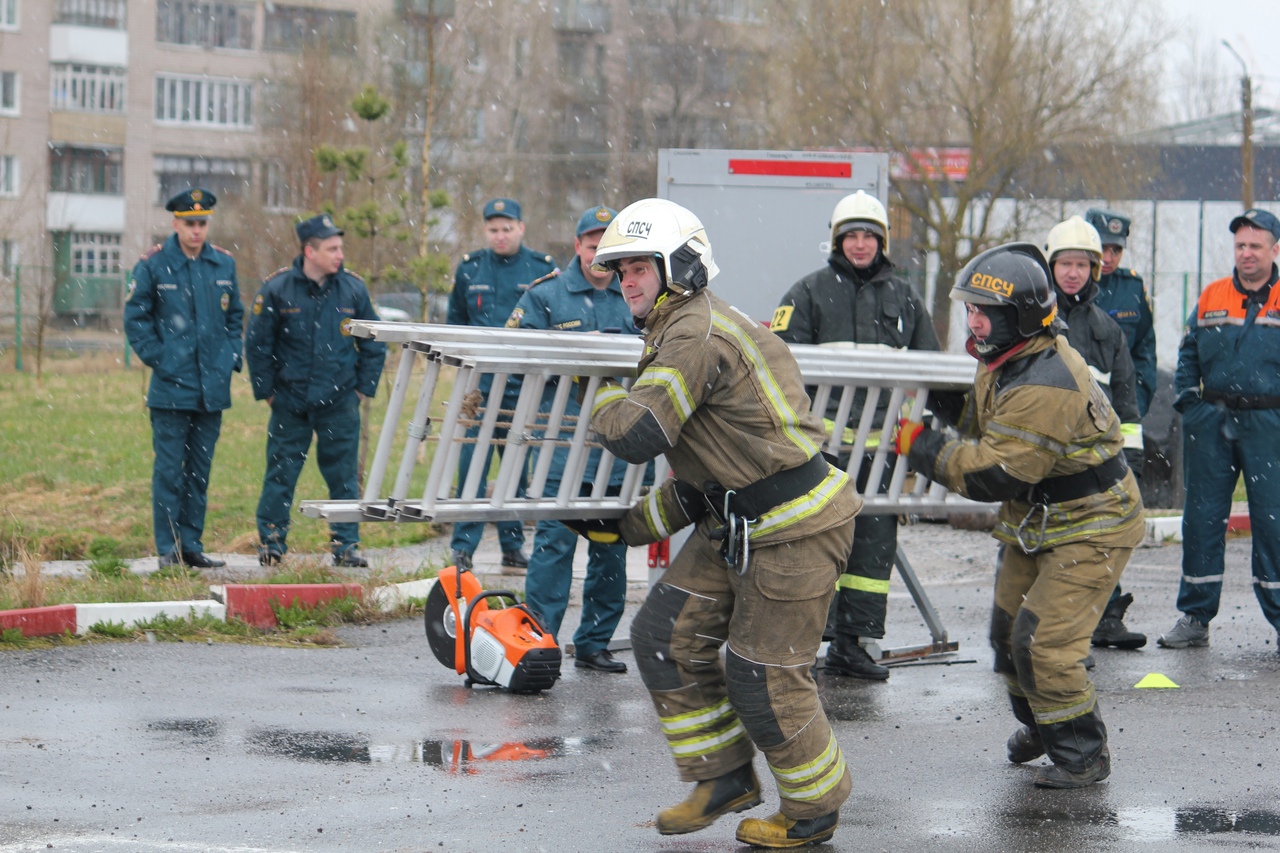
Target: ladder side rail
{"x":857,"y":456}
{"x":900,"y":468}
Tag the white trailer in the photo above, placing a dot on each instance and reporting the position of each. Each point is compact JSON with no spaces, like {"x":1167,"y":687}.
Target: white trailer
{"x":768,"y":213}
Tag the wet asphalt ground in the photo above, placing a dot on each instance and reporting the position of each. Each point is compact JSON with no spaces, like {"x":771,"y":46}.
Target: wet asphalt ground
{"x":135,"y":746}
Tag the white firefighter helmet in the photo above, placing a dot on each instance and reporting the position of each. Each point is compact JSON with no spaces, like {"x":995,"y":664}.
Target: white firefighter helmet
{"x":860,"y":211}
{"x":660,"y":229}
{"x":1079,"y":235}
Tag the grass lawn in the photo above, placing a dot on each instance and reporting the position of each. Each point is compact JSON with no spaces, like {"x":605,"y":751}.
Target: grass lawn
{"x":75,"y":465}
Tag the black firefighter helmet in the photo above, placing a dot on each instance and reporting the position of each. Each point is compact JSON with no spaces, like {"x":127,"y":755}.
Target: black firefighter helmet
{"x":1015,"y":275}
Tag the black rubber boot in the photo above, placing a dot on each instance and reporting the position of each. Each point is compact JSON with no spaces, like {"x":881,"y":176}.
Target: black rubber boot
{"x":1024,"y":745}
{"x":736,"y":791}
{"x":1111,"y":630}
{"x":1078,"y":750}
{"x":846,"y":656}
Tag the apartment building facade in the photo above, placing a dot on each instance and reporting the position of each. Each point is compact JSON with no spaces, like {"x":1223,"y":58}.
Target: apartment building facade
{"x":108,"y":107}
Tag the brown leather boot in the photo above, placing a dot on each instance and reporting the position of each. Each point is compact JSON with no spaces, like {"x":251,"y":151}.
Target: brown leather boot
{"x":735,"y":791}
{"x":781,"y":831}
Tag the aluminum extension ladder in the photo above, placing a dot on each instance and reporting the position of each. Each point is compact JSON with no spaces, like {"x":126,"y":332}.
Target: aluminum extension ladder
{"x":444,"y":410}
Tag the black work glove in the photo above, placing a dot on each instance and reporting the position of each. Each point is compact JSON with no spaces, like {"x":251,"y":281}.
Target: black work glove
{"x":693,"y":503}
{"x":606,"y":531}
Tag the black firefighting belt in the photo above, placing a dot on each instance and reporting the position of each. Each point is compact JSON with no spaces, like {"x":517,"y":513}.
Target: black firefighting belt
{"x":1241,"y":401}
{"x":1069,"y":487}
{"x":737,"y":509}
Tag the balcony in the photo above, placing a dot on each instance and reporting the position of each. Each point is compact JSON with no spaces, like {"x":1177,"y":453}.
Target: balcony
{"x":426,"y":8}
{"x":581,"y":16}
{"x":101,"y":14}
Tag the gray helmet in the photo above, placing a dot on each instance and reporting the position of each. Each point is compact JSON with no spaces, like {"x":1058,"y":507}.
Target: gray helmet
{"x":1015,"y":275}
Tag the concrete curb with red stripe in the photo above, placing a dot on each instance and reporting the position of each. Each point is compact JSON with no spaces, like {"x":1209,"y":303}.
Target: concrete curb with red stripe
{"x":250,"y":603}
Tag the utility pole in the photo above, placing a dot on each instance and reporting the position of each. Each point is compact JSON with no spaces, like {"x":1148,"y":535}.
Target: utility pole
{"x":1246,"y":130}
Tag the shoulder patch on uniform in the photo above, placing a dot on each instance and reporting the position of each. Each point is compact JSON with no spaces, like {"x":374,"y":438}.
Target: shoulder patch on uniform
{"x":257,"y":304}
{"x":782,"y":318}
{"x":218,"y":248}
{"x":149,"y":252}
{"x":513,"y":322}
{"x":1045,"y":368}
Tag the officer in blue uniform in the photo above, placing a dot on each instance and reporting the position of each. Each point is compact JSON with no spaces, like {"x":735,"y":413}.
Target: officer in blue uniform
{"x":184,"y":320}
{"x":486,"y":287}
{"x":1227,"y":388}
{"x":578,"y":300}
{"x":1122,"y":294}
{"x":313,"y":374}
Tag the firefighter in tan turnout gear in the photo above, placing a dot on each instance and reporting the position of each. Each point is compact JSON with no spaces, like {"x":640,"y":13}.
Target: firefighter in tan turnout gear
{"x":1038,"y":434}
{"x":722,"y":397}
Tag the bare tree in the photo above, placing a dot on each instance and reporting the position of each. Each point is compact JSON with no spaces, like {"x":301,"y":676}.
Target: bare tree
{"x":1202,"y":84}
{"x":1012,"y":83}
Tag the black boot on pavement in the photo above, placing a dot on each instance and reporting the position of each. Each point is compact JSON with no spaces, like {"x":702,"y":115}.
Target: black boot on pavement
{"x":846,"y":656}
{"x":1025,"y":745}
{"x":601,"y":660}
{"x":736,"y":791}
{"x":1111,"y":630}
{"x":1054,"y":776}
{"x":514,"y":562}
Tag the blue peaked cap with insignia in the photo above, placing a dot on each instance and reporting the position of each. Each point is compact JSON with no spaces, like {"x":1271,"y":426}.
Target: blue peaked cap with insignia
{"x":1112,"y":226}
{"x":317,"y":227}
{"x":195,"y":203}
{"x":508,"y":207}
{"x":1258,"y":219}
{"x":595,"y":219}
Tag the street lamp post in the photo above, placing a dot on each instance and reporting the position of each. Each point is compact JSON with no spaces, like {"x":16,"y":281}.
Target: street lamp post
{"x":1246,"y":130}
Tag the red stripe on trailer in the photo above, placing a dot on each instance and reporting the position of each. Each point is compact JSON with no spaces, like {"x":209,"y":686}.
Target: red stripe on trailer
{"x":40,"y":621}
{"x":791,"y":168}
{"x":251,"y":603}
{"x":1239,"y":522}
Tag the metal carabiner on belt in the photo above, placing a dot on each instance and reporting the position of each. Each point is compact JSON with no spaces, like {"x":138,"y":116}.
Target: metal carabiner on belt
{"x":1044,"y":525}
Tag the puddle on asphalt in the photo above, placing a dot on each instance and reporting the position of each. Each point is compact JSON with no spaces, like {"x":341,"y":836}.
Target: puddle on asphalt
{"x":1152,"y":824}
{"x":193,"y":730}
{"x":449,"y":755}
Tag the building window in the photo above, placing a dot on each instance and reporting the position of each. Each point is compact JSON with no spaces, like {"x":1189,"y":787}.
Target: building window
{"x":95,"y":254}
{"x":105,"y":14}
{"x":289,"y":29}
{"x":86,"y":88}
{"x":8,"y":14}
{"x":8,"y":175}
{"x":281,"y":186}
{"x":9,"y":257}
{"x":85,"y":170}
{"x":205,"y":24}
{"x":224,"y":177}
{"x":204,"y":101}
{"x":8,"y":92}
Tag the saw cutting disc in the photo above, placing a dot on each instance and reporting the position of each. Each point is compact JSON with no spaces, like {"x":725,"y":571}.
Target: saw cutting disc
{"x":441,"y":626}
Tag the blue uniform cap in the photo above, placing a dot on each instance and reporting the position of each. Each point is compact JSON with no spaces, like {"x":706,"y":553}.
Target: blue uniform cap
{"x":319,"y":227}
{"x":595,"y":219}
{"x":1112,"y":227}
{"x":195,"y":203}
{"x":1258,"y":219}
{"x":507,"y":207}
